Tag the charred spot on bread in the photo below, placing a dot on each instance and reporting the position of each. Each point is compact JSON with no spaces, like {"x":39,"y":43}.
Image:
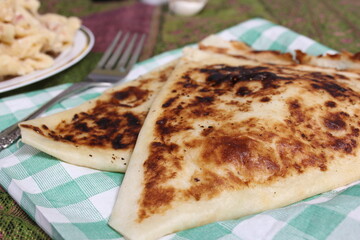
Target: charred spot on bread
{"x":106,"y":125}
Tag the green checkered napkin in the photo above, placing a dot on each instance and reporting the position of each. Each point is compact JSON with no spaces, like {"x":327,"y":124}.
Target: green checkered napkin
{"x":71,"y":202}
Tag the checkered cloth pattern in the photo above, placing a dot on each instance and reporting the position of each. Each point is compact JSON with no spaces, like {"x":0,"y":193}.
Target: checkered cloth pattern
{"x":71,"y":202}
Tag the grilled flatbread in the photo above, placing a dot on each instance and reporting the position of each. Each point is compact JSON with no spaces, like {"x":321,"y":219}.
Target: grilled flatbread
{"x":100,"y":133}
{"x":228,"y":137}
{"x":340,"y":61}
{"x":241,"y":50}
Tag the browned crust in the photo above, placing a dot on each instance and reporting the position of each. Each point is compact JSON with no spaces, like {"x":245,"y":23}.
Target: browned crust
{"x":244,"y":51}
{"x":112,"y":123}
{"x":250,"y":152}
{"x":340,"y":61}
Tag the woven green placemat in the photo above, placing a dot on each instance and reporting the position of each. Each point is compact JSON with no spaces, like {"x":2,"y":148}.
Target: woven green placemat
{"x":15,"y":223}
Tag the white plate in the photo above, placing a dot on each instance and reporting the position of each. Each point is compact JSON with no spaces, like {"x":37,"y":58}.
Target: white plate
{"x":83,"y":43}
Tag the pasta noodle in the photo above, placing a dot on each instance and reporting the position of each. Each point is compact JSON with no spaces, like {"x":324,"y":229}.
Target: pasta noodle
{"x":28,"y":40}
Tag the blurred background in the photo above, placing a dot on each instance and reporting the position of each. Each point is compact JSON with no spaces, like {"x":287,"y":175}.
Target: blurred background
{"x":334,"y":23}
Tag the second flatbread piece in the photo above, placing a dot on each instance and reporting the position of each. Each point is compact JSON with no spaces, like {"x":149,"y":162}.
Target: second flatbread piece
{"x":228,"y":137}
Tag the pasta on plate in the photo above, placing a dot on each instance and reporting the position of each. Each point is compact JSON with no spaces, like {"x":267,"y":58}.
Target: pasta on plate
{"x":30,"y":40}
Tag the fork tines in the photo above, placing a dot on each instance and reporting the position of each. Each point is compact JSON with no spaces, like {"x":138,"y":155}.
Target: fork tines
{"x":118,"y":53}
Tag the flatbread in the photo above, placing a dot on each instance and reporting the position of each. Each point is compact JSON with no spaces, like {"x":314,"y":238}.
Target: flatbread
{"x":339,"y":61}
{"x":228,"y":137}
{"x":102,"y":132}
{"x":216,"y":44}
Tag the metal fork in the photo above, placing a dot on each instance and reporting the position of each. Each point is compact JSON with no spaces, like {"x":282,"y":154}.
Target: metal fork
{"x":114,"y":65}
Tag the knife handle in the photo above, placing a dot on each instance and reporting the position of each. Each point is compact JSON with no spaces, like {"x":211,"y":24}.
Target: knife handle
{"x":9,"y":135}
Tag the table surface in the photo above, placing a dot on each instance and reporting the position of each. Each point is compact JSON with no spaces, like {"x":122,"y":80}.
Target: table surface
{"x":335,"y":23}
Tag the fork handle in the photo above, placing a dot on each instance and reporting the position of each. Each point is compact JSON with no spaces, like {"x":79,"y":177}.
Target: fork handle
{"x":12,"y":133}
